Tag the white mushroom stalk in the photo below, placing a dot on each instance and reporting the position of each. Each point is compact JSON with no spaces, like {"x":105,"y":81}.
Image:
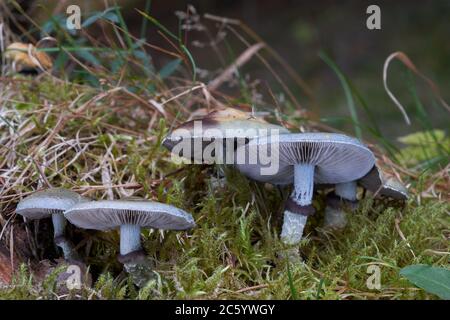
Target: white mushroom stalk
{"x":294,"y":223}
{"x":346,"y":190}
{"x":59,"y":228}
{"x":306,"y":159}
{"x":303,"y":183}
{"x":59,"y":224}
{"x":130,"y":239}
{"x":52,"y":203}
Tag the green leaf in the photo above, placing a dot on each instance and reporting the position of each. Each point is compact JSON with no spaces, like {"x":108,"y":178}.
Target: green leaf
{"x":86,"y":55}
{"x":425,"y":149}
{"x":55,"y":24}
{"x":146,"y":60}
{"x":158,"y":24}
{"x":170,"y":34}
{"x":144,"y":28}
{"x":107,"y":14}
{"x":169,"y":68}
{"x":423,"y":137}
{"x":431,"y":279}
{"x":61,"y":60}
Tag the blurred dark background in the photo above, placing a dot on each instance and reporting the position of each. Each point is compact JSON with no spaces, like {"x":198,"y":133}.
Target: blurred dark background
{"x":299,"y":30}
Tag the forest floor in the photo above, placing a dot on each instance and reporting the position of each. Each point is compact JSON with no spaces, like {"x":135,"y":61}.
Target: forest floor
{"x":96,"y":128}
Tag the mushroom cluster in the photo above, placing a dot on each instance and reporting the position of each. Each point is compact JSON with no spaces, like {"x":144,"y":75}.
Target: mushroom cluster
{"x":52,"y":203}
{"x":303,"y":159}
{"x":345,"y":195}
{"x":127,"y":215}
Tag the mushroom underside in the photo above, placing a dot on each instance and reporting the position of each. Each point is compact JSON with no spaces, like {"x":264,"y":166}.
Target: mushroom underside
{"x":105,"y":219}
{"x":305,"y":159}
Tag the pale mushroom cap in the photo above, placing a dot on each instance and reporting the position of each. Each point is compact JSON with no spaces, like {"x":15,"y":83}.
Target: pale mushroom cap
{"x":43,"y":204}
{"x":337,"y":158}
{"x":110,"y":214}
{"x":223,"y":124}
{"x":376,"y":181}
{"x":227,"y":129}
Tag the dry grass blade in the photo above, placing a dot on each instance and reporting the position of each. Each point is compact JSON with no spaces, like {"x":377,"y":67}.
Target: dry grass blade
{"x":231,"y":69}
{"x":410,"y":65}
{"x":397,"y":227}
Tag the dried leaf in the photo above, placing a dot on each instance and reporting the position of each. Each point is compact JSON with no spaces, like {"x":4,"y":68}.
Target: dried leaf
{"x":27,"y":57}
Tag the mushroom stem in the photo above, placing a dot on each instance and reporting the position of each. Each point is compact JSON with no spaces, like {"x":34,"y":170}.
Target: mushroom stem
{"x":346,"y":190}
{"x":335,"y":216}
{"x":303,"y":183}
{"x":293,"y":225}
{"x":294,"y":222}
{"x":59,"y":224}
{"x":67,"y":249}
{"x":130,"y":238}
{"x":59,"y":227}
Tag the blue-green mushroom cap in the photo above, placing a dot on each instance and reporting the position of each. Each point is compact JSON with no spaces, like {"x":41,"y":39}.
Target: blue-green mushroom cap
{"x":43,"y":204}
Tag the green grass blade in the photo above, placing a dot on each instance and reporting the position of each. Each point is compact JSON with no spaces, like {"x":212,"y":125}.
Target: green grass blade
{"x":144,"y":24}
{"x":347,"y":90}
{"x":170,"y":34}
{"x":291,"y":282}
{"x":124,"y":27}
{"x":159,"y":25}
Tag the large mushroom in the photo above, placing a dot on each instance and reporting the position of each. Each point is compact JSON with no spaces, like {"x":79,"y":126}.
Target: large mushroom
{"x":52,"y":202}
{"x":305,"y":159}
{"x":130,"y":216}
{"x":213,"y":138}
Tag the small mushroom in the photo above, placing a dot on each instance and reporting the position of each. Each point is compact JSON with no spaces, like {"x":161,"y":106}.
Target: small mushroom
{"x":345,"y":194}
{"x":52,"y":202}
{"x":26,"y":59}
{"x":305,"y":159}
{"x":225,"y":127}
{"x":130,"y":216}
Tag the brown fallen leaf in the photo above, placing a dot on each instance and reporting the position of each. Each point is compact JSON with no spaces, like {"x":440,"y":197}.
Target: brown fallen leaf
{"x":26,"y":57}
